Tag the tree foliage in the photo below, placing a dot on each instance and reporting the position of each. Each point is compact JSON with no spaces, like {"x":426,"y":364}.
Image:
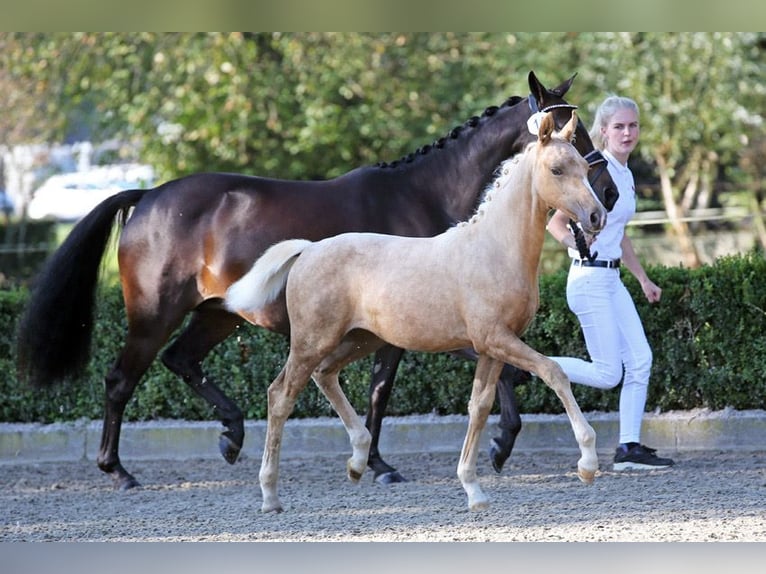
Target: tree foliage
{"x":702,"y":102}
{"x":314,"y":105}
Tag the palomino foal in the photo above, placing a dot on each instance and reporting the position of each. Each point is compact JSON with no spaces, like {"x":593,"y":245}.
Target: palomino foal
{"x":476,"y":285}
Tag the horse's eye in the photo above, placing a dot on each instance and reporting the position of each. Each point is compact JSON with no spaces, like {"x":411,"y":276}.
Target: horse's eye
{"x":556,"y":171}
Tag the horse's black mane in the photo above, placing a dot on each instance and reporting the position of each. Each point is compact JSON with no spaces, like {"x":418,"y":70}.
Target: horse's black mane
{"x":454,"y":133}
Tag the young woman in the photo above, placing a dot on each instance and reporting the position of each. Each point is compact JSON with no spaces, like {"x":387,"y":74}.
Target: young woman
{"x":613,"y":332}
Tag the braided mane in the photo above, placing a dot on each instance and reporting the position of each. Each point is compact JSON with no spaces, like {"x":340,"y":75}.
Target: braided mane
{"x":500,"y":181}
{"x":454,"y":133}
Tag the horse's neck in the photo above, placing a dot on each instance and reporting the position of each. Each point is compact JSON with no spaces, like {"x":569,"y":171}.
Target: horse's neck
{"x":516,"y":217}
{"x":457,"y":174}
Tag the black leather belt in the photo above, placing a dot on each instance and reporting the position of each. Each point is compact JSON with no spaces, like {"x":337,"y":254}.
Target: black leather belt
{"x":607,"y":263}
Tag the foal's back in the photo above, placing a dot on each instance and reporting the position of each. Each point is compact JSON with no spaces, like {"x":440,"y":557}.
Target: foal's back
{"x":402,"y":289}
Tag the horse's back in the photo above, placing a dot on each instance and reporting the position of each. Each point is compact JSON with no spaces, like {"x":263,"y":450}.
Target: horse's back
{"x":213,"y":226}
{"x":218,"y":224}
{"x":396,"y":287}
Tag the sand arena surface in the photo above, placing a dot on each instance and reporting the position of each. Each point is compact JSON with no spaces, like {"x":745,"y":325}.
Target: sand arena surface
{"x":707,"y":496}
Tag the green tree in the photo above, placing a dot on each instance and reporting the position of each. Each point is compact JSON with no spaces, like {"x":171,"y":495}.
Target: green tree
{"x":314,"y":105}
{"x":702,"y":101}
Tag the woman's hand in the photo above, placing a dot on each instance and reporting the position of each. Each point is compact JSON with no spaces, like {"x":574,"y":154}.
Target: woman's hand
{"x":651,"y":291}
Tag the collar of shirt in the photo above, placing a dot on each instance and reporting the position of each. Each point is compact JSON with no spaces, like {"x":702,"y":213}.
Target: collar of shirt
{"x":615,"y":163}
{"x":608,"y":241}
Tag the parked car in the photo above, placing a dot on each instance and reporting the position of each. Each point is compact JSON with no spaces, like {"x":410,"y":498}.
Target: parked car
{"x":6,"y":203}
{"x":70,"y":196}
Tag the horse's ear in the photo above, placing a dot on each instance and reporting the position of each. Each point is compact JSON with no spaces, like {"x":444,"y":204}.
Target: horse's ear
{"x":564,"y":87}
{"x":547,"y":125}
{"x":568,"y":131}
{"x":535,"y":87}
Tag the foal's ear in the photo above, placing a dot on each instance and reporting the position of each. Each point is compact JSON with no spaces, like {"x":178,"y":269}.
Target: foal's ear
{"x":546,"y":128}
{"x":568,"y":131}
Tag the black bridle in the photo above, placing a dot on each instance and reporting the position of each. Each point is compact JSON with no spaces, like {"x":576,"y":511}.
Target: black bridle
{"x":593,"y":157}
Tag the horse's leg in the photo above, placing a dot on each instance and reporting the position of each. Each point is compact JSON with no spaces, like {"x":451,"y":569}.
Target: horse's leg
{"x":511,"y":349}
{"x":282,"y":394}
{"x":500,"y":447}
{"x":384,"y":369}
{"x":141,"y":347}
{"x":554,"y":376}
{"x":482,"y":398}
{"x":208,"y":326}
{"x":358,"y":434}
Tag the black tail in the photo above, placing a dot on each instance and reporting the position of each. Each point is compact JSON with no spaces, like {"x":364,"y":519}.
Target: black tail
{"x":54,"y":334}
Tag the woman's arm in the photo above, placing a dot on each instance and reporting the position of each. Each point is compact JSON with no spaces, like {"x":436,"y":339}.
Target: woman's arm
{"x":629,"y":258}
{"x":558,"y":228}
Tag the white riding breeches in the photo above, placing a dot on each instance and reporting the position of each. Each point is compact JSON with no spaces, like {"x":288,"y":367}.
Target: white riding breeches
{"x":615,"y":339}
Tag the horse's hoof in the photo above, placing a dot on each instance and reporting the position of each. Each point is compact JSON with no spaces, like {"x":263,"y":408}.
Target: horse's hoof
{"x":125,"y":481}
{"x":586,"y":476}
{"x":129,"y":484}
{"x":479,"y":504}
{"x":390,"y":477}
{"x":496,"y":456}
{"x":276,"y":509}
{"x":229,"y":449}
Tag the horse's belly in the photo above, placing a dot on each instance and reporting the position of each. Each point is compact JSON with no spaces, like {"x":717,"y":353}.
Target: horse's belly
{"x":415,"y":323}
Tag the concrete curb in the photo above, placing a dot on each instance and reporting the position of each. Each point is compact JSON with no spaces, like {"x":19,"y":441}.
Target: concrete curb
{"x":669,"y":432}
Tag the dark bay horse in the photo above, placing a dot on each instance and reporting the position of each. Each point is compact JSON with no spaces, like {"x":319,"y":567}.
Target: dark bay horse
{"x":349,"y":294}
{"x":187,"y":240}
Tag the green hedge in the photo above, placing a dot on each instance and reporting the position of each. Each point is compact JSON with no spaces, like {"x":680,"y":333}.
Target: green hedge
{"x":24,"y":246}
{"x":707,"y":335}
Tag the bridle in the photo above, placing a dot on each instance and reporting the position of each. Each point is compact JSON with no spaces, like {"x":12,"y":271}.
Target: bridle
{"x":593,"y":157}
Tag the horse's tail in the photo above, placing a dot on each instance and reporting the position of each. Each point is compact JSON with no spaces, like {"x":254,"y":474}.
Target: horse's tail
{"x":266,"y":278}
{"x":54,"y":333}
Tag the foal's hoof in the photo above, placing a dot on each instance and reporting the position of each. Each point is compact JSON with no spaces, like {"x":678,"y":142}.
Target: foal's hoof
{"x":229,"y":449}
{"x":496,"y":456}
{"x":478,"y":502}
{"x":391,"y":477}
{"x":586,"y":475}
{"x":480,"y":506}
{"x":275,"y":508}
{"x":353,"y":474}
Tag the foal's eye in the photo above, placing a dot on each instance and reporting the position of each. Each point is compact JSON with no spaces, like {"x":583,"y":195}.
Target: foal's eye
{"x":556,"y":171}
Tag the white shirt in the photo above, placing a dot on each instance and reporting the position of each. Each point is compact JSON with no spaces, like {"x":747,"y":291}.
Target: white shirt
{"x":608,"y":241}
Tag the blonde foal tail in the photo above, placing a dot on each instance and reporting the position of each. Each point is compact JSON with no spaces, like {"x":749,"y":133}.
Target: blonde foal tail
{"x":266,"y":278}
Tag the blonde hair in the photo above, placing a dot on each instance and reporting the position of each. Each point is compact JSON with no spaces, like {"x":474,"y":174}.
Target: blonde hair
{"x":604,"y":113}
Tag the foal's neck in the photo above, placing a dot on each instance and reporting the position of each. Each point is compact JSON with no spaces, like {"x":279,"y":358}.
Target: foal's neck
{"x":519,"y":216}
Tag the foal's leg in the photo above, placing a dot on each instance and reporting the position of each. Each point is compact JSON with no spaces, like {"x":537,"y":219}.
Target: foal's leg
{"x":358,"y":434}
{"x":282,"y":394}
{"x":510,"y":420}
{"x":208,"y":326}
{"x":512,"y":350}
{"x":384,"y":369}
{"x":482,"y":398}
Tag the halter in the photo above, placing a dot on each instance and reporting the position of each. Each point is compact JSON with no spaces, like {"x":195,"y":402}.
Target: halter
{"x":593,"y":158}
{"x":535,"y":107}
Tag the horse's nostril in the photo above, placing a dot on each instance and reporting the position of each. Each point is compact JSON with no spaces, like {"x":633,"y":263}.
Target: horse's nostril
{"x":596,"y":219}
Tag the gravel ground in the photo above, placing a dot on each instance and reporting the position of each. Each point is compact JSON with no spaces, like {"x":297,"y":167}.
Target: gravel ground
{"x":707,"y":496}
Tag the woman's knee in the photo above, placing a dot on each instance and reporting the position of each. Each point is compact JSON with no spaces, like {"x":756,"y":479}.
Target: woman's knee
{"x":639,"y":369}
{"x":610,"y":375}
